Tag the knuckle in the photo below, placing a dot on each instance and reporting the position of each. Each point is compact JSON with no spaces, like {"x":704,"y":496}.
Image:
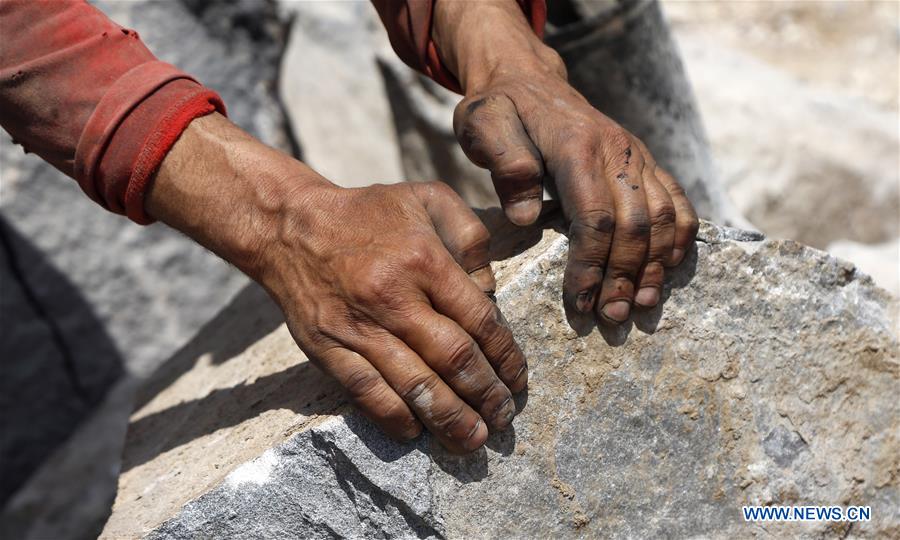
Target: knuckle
{"x":554,"y":62}
{"x":596,"y":220}
{"x":675,"y":190}
{"x":461,"y":357}
{"x":376,"y":284}
{"x":635,"y":228}
{"x":470,"y":113}
{"x":418,"y":254}
{"x":488,"y":320}
{"x":362,"y":383}
{"x":663,"y":217}
{"x":520,"y":168}
{"x":419,"y":388}
{"x":497,"y":340}
{"x":616,"y":140}
{"x":439,"y":189}
{"x":473,"y":235}
{"x":496,"y":392}
{"x":450,"y":419}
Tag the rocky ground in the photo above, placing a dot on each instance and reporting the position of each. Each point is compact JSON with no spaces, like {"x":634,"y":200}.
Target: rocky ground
{"x":800,"y":105}
{"x":754,"y":382}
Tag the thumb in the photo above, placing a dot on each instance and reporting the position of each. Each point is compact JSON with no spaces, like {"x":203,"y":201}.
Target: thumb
{"x":460,"y":230}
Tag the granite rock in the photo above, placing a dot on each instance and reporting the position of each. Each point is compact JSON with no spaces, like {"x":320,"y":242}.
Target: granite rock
{"x":768,"y":376}
{"x":96,"y":296}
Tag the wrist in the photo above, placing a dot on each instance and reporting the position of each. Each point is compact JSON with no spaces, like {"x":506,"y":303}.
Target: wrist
{"x":480,"y":42}
{"x":227,"y":191}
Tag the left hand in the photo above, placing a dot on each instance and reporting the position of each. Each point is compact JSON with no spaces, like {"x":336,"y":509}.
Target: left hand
{"x":627,"y":217}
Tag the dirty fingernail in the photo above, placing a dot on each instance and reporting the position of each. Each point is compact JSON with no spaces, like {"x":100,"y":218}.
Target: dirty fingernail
{"x":677,"y":255}
{"x":617,"y":310}
{"x":523,"y":212}
{"x":476,"y":437}
{"x":484,"y":278}
{"x":647,"y":296}
{"x":518,"y":382}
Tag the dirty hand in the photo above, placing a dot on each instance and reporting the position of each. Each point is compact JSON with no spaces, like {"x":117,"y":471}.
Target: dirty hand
{"x":373,"y":281}
{"x":627,"y":217}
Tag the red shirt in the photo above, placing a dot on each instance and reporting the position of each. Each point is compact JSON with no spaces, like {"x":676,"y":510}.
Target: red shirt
{"x":88,"y":97}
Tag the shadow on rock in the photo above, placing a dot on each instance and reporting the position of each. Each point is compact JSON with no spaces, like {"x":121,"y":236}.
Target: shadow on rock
{"x":251,"y":315}
{"x":382,"y":446}
{"x":301,"y":388}
{"x":509,"y":240}
{"x":57,"y":360}
{"x":647,"y":320}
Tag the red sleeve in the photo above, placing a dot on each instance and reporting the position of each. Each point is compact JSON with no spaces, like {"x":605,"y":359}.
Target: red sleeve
{"x":408,"y":24}
{"x":87,"y":96}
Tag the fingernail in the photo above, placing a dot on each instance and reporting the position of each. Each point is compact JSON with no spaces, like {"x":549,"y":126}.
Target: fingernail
{"x":523,"y":212}
{"x":522,"y":371}
{"x":585,"y":301}
{"x":484,"y":278}
{"x":476,"y":437}
{"x":677,"y":255}
{"x":617,"y":310}
{"x":647,"y":296}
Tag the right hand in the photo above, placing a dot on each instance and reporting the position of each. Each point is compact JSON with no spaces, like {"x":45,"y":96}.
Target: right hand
{"x":372,"y":295}
{"x":373,"y":281}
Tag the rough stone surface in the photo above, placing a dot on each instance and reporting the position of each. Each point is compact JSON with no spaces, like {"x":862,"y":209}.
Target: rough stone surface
{"x":107,"y":296}
{"x":57,"y":359}
{"x":768,"y":376}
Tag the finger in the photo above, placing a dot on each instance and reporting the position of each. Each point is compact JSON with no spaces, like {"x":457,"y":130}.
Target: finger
{"x":624,"y":164}
{"x":686,"y":222}
{"x":370,"y":393}
{"x":662,"y":237}
{"x":459,"y":428}
{"x":589,"y":209}
{"x":460,"y":230}
{"x":450,"y":352}
{"x":454,"y":297}
{"x":492,"y":136}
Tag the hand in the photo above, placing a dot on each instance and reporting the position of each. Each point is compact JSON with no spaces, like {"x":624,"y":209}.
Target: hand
{"x":627,"y":217}
{"x":373,"y":281}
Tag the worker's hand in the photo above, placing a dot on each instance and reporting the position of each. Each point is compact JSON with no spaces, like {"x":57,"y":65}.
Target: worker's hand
{"x":627,"y":217}
{"x":373,"y":283}
{"x":383,"y":287}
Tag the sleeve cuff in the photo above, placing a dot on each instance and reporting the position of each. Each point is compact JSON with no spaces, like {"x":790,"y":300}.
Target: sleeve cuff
{"x":132,"y":129}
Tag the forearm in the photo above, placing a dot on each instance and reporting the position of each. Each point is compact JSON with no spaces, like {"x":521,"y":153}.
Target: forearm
{"x":479,"y":40}
{"x":225,"y":189}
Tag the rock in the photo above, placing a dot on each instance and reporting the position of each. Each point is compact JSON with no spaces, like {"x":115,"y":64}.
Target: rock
{"x":768,"y":376}
{"x":396,"y":124}
{"x":334,"y":94}
{"x":57,"y":359}
{"x":879,"y":261}
{"x":803,"y":152}
{"x":121,"y":297}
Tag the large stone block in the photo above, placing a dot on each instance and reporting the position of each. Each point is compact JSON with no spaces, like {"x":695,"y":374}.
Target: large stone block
{"x":768,"y":376}
{"x":88,"y":295}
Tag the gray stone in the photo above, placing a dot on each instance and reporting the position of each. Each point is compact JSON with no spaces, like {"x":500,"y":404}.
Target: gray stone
{"x":100,"y":296}
{"x":768,"y":376}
